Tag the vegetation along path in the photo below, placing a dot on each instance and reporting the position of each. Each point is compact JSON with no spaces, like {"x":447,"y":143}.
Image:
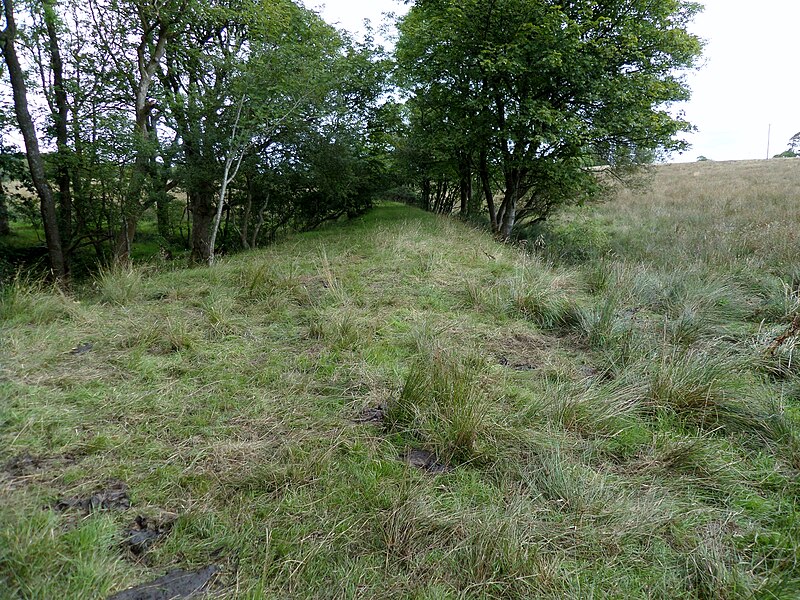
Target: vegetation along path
{"x":401,"y":407}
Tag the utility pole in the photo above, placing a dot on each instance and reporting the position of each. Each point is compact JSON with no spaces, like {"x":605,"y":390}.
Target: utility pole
{"x":769,"y":138}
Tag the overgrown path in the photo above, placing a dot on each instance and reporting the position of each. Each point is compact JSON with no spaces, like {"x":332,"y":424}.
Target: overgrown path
{"x":401,"y":407}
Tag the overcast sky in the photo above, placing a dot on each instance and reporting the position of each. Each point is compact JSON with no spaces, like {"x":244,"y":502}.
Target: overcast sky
{"x":750,"y":78}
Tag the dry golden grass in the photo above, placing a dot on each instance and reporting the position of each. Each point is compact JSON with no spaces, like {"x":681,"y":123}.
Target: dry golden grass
{"x":715,"y":212}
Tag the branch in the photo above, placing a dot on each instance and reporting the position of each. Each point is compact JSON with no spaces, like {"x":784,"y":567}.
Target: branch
{"x":792,"y":331}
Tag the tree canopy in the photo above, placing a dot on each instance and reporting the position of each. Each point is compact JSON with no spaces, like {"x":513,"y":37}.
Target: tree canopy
{"x":219,"y":102}
{"x":529,"y":94}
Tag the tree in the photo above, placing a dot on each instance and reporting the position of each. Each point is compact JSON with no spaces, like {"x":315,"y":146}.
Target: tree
{"x":526,"y":95}
{"x":29,"y":135}
{"x":263,"y":114}
{"x":794,"y":144}
{"x":250,"y":75}
{"x":135,"y":35}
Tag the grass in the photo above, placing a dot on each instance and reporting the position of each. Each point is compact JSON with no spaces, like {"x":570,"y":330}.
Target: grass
{"x":441,"y":404}
{"x":614,"y":423}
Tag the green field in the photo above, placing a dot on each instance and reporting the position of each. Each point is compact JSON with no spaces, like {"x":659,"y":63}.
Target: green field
{"x":609,"y":410}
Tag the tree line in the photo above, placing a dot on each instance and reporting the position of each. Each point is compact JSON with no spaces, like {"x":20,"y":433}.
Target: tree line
{"x":249,"y":117}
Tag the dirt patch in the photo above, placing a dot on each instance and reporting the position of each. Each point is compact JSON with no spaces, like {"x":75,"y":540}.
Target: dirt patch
{"x":523,"y":366}
{"x":24,"y":468}
{"x":524,"y":351}
{"x":157,"y":296}
{"x":114,"y":496}
{"x":23,"y":464}
{"x":589,"y":372}
{"x":175,"y":584}
{"x":426,"y":461}
{"x":144,"y":532}
{"x":537,"y":353}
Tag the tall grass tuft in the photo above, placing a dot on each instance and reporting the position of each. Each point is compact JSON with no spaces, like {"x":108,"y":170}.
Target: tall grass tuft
{"x":698,"y":305}
{"x":707,"y":391}
{"x":710,"y":565}
{"x":119,"y":284}
{"x":604,"y":410}
{"x":220,"y":311}
{"x":271,"y":286}
{"x":442,"y":405}
{"x":605,"y":326}
{"x":33,"y":301}
{"x":334,"y":287}
{"x":544,"y":298}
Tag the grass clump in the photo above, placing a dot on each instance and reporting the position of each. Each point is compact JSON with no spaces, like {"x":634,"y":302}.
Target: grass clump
{"x":712,"y":392}
{"x":441,"y":404}
{"x":269,"y":286}
{"x":27,"y":300}
{"x":341,"y":329}
{"x":695,"y":387}
{"x":547,"y":299}
{"x":162,"y":336}
{"x":119,"y":284}
{"x":606,"y":410}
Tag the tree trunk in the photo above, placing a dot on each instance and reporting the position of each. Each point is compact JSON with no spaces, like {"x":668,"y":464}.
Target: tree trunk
{"x":60,"y":118}
{"x":203,"y":215}
{"x":465,"y":183}
{"x":5,"y":227}
{"x":260,"y":223}
{"x":125,"y":235}
{"x":509,"y":214}
{"x":35,"y":162}
{"x":511,"y":197}
{"x":80,"y":202}
{"x":426,"y":194}
{"x":243,"y":230}
{"x":147,"y":143}
{"x":164,"y":221}
{"x":486,"y":185}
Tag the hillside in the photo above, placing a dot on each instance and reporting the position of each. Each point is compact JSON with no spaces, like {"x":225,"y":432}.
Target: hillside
{"x":401,"y":407}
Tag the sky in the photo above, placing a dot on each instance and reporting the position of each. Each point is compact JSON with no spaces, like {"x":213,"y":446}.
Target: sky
{"x":749,"y":79}
{"x":350,"y":14}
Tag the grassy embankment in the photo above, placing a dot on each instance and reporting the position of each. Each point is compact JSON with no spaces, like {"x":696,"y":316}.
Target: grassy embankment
{"x":615,"y":424}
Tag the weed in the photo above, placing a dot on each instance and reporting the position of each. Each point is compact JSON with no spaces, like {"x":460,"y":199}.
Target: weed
{"x":331,"y":283}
